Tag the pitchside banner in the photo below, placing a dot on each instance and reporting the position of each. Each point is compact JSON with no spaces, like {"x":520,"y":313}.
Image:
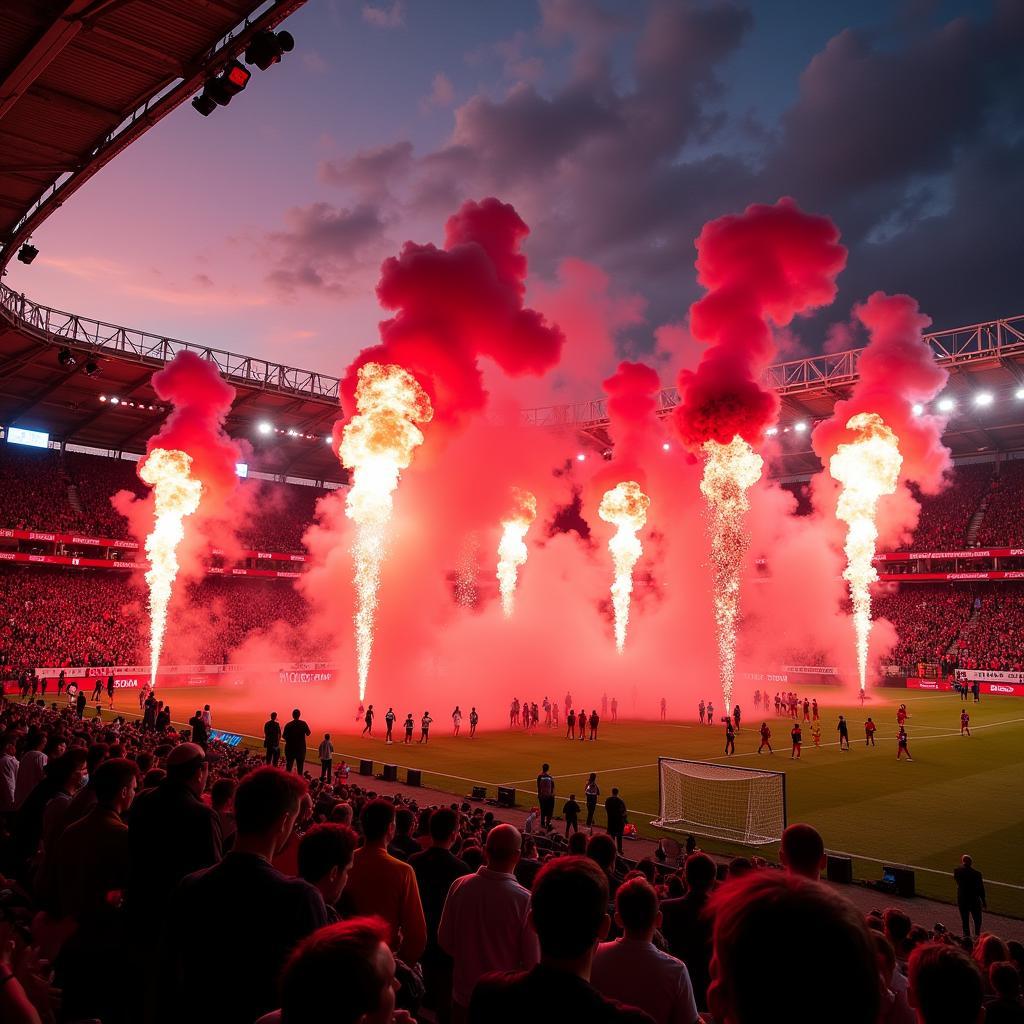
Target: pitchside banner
{"x":1003,"y":689}
{"x":175,"y":677}
{"x":822,"y":674}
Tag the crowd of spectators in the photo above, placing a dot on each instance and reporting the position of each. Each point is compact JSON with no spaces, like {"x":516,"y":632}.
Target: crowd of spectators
{"x":945,"y":517}
{"x":226,"y":890}
{"x":994,"y":637}
{"x":61,"y":618}
{"x":1003,"y":524}
{"x":928,"y":617}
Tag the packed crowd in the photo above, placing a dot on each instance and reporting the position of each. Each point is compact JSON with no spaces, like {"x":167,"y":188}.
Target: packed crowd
{"x":57,"y":618}
{"x":992,"y":639}
{"x":227,"y":890}
{"x":946,"y":516}
{"x":1003,"y":525}
{"x":927,"y":616}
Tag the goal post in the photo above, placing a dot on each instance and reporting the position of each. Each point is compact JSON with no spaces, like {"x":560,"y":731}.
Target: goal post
{"x":743,"y":805}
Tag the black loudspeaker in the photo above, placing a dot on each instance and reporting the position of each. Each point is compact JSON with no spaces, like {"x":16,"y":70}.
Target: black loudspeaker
{"x":479,"y":792}
{"x":839,"y":869}
{"x":506,"y":796}
{"x":391,"y":773}
{"x":412,"y":777}
{"x":365,"y":767}
{"x":903,"y":879}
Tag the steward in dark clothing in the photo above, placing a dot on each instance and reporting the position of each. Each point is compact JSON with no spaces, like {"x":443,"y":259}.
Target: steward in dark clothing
{"x":272,"y":739}
{"x":970,"y":895}
{"x":615,"y":808}
{"x":688,"y":935}
{"x":295,"y":733}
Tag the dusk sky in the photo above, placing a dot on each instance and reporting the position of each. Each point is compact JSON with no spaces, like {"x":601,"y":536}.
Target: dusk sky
{"x":615,"y":128}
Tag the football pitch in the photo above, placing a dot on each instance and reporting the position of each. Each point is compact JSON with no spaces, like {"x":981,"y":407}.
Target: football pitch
{"x":959,"y":795}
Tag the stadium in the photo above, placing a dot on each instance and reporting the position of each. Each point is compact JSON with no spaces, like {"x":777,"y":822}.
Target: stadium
{"x":685,"y":604}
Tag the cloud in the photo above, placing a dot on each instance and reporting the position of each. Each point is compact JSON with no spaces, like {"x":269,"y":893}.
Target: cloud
{"x":315,"y":63}
{"x":370,"y":172}
{"x":391,"y":16}
{"x":442,"y":93}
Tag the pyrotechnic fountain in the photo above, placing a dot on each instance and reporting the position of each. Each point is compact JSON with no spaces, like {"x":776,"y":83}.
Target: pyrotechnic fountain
{"x":377,"y":443}
{"x":625,"y":507}
{"x":176,"y":494}
{"x":867,"y":468}
{"x":730,"y":470}
{"x":512,"y":551}
{"x":465,"y":571}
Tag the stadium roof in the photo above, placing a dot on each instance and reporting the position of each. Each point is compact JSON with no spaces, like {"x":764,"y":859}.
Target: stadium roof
{"x":82,"y":79}
{"x":38,"y":391}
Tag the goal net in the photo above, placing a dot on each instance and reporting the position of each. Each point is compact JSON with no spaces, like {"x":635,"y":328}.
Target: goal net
{"x":744,"y":805}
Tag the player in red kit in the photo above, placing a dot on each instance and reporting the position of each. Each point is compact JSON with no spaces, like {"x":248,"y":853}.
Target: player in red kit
{"x":766,"y":739}
{"x":798,"y":738}
{"x":965,"y":724}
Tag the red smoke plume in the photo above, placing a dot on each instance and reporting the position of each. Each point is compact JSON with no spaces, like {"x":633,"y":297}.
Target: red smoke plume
{"x":897,"y":370}
{"x":769,"y":263}
{"x":457,"y":304}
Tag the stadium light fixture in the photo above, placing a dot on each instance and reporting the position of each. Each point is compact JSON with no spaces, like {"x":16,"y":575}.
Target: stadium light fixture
{"x":219,"y":91}
{"x":917,"y":408}
{"x":983,"y":398}
{"x":115,"y":400}
{"x":27,"y":253}
{"x":665,"y":446}
{"x":946,"y":405}
{"x":265,"y":49}
{"x":265,"y":428}
{"x":771,"y":431}
{"x":1019,"y":395}
{"x":800,"y":427}
{"x":66,"y":358}
{"x":103,"y":398}
{"x":327,"y":439}
{"x":91,"y":368}
{"x":581,"y":457}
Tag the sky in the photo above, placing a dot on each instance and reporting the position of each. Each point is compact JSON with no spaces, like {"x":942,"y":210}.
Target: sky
{"x":616,"y":129}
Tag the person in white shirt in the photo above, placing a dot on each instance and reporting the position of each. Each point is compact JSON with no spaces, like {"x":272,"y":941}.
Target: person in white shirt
{"x":484,"y":925}
{"x":633,"y":970}
{"x":8,"y":778}
{"x":207,"y":717}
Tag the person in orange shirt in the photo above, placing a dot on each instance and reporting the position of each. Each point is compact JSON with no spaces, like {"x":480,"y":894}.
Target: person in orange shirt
{"x":382,"y":885}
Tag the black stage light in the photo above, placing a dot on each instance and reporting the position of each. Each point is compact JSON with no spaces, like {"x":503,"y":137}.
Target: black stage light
{"x":27,"y":253}
{"x":91,"y":368}
{"x":266,"y":48}
{"x":66,"y":358}
{"x":219,"y":91}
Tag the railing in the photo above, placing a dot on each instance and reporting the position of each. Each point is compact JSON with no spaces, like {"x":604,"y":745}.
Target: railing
{"x":56,"y":327}
{"x":995,"y":339}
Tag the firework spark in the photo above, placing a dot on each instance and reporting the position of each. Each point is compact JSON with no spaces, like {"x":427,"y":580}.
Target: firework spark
{"x":512,"y":550}
{"x":176,"y":495}
{"x":465,"y":572}
{"x":625,"y":507}
{"x":377,"y":443}
{"x":730,"y":470}
{"x":867,"y":468}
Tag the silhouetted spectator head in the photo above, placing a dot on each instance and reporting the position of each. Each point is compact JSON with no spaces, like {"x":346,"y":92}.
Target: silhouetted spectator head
{"x":377,"y":820}
{"x":186,"y":764}
{"x":404,"y":821}
{"x":504,"y":844}
{"x":296,"y":713}
{"x":325,"y":856}
{"x":769,"y":921}
{"x":897,"y":928}
{"x":153,"y":778}
{"x":267,"y":803}
{"x":802,"y":850}
{"x":355,"y":951}
{"x":945,"y":985}
{"x":578,"y":844}
{"x":341,"y":814}
{"x":569,"y":908}
{"x":740,"y":866}
{"x":601,"y":850}
{"x":700,"y":872}
{"x":636,"y":909}
{"x":444,"y":823}
{"x":115,"y":782}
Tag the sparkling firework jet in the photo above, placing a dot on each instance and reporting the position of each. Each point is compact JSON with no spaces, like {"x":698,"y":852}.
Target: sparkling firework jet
{"x":625,"y":507}
{"x":511,"y":549}
{"x":867,"y":468}
{"x":376,"y":445}
{"x":730,"y":470}
{"x":465,"y":573}
{"x":176,"y":494}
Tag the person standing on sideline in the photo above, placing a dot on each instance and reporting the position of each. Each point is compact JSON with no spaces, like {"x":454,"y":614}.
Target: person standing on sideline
{"x":80,"y":704}
{"x":456,"y":720}
{"x":970,"y":895}
{"x":700,"y":711}
{"x":425,"y":723}
{"x":965,"y":723}
{"x":798,"y":738}
{"x":474,"y":720}
{"x":711,"y":713}
{"x":730,"y":737}
{"x":766,"y":739}
{"x":664,"y":709}
{"x":546,"y":796}
{"x":591,"y":793}
{"x":594,"y":720}
{"x":736,"y":716}
{"x":814,"y":709}
{"x":844,"y":734}
{"x":326,"y":751}
{"x":295,"y":733}
{"x":368,"y":720}
{"x":869,"y":732}
{"x":389,"y":724}
{"x":615,"y":808}
{"x":901,"y":745}
{"x":581,"y":724}
{"x":408,"y":728}
{"x":570,"y":724}
{"x":615,"y":709}
{"x":110,"y":690}
{"x":571,"y":813}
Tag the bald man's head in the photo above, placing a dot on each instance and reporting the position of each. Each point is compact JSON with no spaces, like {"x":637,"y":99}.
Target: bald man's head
{"x":503,"y":846}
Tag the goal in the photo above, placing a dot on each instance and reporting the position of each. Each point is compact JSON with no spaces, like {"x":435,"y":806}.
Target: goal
{"x":744,"y":805}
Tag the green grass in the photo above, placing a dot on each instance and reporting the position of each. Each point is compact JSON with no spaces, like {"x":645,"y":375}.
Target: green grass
{"x":959,"y":795}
